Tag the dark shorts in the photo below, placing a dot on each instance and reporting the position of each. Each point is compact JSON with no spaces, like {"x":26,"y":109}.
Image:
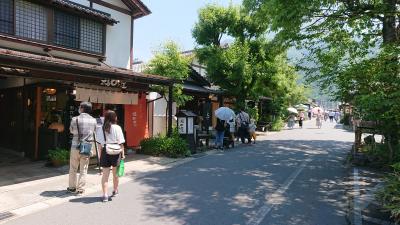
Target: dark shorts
{"x":107,"y":160}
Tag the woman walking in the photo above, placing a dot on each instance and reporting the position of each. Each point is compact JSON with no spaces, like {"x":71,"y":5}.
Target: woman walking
{"x":112,"y":151}
{"x":301,"y":118}
{"x":319,"y":119}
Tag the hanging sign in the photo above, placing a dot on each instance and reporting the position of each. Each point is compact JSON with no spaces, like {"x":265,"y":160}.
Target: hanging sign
{"x":113,"y":83}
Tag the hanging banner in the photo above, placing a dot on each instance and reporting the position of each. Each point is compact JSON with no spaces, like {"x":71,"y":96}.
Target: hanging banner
{"x":136,"y":123}
{"x":106,"y":97}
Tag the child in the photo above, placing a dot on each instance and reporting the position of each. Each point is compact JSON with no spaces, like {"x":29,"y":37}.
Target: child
{"x":252,"y":130}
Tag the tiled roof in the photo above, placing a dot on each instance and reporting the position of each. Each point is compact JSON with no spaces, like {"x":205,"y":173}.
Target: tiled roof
{"x":23,"y":60}
{"x":85,"y":10}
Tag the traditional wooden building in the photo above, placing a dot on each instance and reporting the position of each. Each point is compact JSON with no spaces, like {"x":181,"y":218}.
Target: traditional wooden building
{"x":56,"y":53}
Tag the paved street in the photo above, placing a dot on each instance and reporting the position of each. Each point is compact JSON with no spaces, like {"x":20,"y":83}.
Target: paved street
{"x":293,"y":177}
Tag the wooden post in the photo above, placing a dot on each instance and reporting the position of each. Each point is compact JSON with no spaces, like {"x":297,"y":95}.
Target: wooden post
{"x":170,"y":101}
{"x":38,"y":111}
{"x":221,"y":100}
{"x":23,"y":125}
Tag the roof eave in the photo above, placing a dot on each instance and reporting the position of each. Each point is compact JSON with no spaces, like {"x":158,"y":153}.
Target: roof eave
{"x":73,"y":68}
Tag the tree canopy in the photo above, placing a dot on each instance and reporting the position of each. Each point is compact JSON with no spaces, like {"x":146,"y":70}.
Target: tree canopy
{"x":353,"y":50}
{"x":250,"y":66}
{"x":168,"y":61}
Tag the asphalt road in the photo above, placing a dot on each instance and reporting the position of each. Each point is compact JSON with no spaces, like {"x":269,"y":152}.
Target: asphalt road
{"x":291,"y":178}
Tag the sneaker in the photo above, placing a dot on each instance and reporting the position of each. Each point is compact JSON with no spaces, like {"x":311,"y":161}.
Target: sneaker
{"x":71,"y":190}
{"x":80,"y":192}
{"x":114,"y":193}
{"x":105,"y":199}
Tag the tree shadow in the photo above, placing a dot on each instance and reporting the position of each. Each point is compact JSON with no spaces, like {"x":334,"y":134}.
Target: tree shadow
{"x":230,"y":187}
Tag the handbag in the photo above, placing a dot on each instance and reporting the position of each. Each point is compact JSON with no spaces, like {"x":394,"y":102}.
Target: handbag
{"x":85,"y":147}
{"x":113,"y":148}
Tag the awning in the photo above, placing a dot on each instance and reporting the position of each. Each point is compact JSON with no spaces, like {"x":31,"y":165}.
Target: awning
{"x":199,"y":89}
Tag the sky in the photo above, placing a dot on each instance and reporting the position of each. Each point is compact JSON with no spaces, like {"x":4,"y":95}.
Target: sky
{"x":169,"y":20}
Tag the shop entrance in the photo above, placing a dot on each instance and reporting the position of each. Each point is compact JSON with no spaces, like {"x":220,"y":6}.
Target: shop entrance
{"x":33,"y":117}
{"x":11,"y":119}
{"x":16,"y":117}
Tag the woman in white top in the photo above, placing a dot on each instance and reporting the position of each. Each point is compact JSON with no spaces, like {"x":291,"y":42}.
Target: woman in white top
{"x":319,"y":119}
{"x":112,"y":139}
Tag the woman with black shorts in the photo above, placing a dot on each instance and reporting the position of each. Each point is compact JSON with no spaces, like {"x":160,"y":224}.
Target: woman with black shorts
{"x":111,"y":134}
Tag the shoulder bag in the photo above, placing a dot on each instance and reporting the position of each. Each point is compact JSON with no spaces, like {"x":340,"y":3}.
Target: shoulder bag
{"x":111,"y":148}
{"x":85,"y":147}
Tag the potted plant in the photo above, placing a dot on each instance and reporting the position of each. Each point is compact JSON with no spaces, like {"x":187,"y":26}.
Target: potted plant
{"x":58,"y":156}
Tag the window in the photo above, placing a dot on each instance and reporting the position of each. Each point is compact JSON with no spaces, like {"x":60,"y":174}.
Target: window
{"x":30,"y":20}
{"x":7,"y":16}
{"x":66,"y":30}
{"x":91,"y":36}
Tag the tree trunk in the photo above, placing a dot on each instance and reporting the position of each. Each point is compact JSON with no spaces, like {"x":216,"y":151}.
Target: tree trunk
{"x":389,"y":29}
{"x":390,"y":146}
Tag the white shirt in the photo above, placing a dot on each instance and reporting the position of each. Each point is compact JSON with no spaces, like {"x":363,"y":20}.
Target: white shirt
{"x":331,"y":113}
{"x":116,"y":136}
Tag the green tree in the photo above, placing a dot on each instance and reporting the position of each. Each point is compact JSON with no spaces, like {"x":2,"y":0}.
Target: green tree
{"x":353,"y":50}
{"x":168,"y":61}
{"x":247,"y":68}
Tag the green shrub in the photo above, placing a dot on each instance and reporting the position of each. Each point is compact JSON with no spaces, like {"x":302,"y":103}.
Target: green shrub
{"x":59,"y":154}
{"x":277,"y":125}
{"x":151,"y":146}
{"x":390,"y":194}
{"x":173,"y":147}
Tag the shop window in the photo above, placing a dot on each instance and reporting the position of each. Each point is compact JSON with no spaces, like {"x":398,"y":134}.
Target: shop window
{"x":91,"y":36}
{"x":66,"y":30}
{"x":30,"y":20}
{"x":6,"y":16}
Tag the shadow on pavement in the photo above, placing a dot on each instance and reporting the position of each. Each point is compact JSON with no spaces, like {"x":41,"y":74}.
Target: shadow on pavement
{"x":60,"y":193}
{"x":87,"y":200}
{"x":230,"y":187}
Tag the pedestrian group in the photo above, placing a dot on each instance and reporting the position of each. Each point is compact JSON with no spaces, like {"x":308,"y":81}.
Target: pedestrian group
{"x":102,"y":136}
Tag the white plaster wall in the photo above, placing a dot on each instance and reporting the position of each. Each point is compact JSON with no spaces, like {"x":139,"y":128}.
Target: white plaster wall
{"x":159,"y":125}
{"x":160,"y":107}
{"x":160,"y":116}
{"x":118,"y":38}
